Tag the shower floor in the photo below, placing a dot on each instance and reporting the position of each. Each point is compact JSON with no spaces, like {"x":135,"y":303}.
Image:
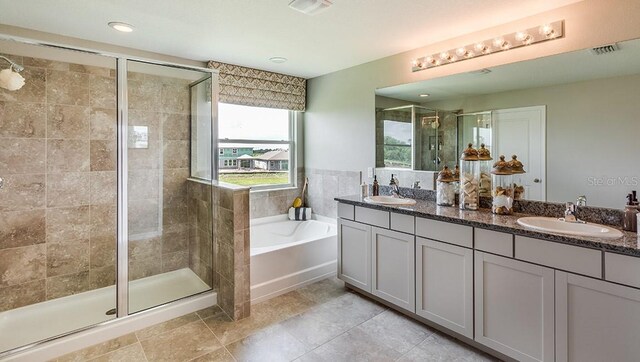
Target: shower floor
{"x":36,"y":322}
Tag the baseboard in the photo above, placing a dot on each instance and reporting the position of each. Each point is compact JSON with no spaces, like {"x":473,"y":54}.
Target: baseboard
{"x":287,"y":283}
{"x":112,"y":329}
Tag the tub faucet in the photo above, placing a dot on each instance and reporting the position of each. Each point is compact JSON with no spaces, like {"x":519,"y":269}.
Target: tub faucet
{"x":570,"y":214}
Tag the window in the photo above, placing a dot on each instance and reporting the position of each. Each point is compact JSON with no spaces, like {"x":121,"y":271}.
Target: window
{"x":397,"y":144}
{"x":261,"y":142}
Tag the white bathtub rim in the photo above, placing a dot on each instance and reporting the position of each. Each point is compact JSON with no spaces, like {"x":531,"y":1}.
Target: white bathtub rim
{"x":285,"y":217}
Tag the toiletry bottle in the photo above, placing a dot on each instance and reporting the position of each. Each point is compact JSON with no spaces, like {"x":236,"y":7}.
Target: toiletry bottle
{"x":364,"y":189}
{"x":376,"y":187}
{"x":630,"y":222}
{"x":392,"y":182}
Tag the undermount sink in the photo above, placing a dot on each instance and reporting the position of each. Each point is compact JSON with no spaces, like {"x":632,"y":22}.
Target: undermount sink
{"x":389,"y":200}
{"x":554,"y":225}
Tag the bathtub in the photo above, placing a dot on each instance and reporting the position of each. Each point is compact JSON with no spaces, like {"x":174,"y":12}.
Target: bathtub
{"x":286,"y":254}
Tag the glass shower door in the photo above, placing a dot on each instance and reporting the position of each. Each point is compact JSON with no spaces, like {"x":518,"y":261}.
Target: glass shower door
{"x":58,"y":201}
{"x":170,"y":251}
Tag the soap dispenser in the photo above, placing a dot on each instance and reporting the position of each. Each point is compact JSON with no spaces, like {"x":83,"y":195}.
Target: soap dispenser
{"x":630,"y":222}
{"x":376,"y":186}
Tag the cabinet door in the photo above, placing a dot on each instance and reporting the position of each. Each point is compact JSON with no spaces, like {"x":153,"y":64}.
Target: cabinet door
{"x":392,"y":255}
{"x":514,"y":307}
{"x":596,"y":320}
{"x":354,"y":254}
{"x":444,"y":285}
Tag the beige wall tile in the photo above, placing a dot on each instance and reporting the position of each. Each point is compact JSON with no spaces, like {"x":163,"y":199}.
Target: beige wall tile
{"x":22,"y":265}
{"x":104,"y":187}
{"x":145,"y":249}
{"x":67,"y":87}
{"x":61,"y":286}
{"x":68,"y":189}
{"x":33,"y":91}
{"x":103,"y":155}
{"x":175,"y":97}
{"x":175,"y":261}
{"x":102,"y":91}
{"x":176,"y":126}
{"x":45,"y":63}
{"x":103,"y":124}
{"x":103,"y":251}
{"x":142,"y":268}
{"x":23,"y":192}
{"x":67,"y":258}
{"x":68,"y":122}
{"x":22,"y":155}
{"x":144,"y":184}
{"x":67,"y":155}
{"x":103,"y":220}
{"x":68,"y":224}
{"x":102,"y":277}
{"x":143,"y":95}
{"x":22,"y":228}
{"x":20,"y":120}
{"x":23,"y":294}
{"x":176,"y":154}
{"x":175,"y":238}
{"x":143,"y":216}
{"x":145,"y":158}
{"x":175,"y":215}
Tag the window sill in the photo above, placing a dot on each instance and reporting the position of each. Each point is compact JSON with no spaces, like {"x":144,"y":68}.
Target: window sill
{"x":283,"y":188}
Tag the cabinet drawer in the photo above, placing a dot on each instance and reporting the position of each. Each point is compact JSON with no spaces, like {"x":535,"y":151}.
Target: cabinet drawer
{"x":566,"y":257}
{"x":443,"y":231}
{"x":403,"y":223}
{"x":622,"y":269}
{"x":493,"y":242}
{"x":345,"y":211}
{"x":372,"y":217}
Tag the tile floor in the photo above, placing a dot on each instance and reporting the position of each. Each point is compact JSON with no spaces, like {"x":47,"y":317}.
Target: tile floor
{"x":320,"y":322}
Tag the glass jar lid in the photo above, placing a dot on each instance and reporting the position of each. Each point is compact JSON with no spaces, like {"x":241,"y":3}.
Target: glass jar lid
{"x":484,"y":154}
{"x":446,"y":175}
{"x":515,"y":165}
{"x":469,"y":154}
{"x":501,"y":167}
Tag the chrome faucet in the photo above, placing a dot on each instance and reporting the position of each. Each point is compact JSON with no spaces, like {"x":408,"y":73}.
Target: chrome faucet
{"x":416,"y":185}
{"x":570,"y":214}
{"x":581,"y":201}
{"x":395,"y":186}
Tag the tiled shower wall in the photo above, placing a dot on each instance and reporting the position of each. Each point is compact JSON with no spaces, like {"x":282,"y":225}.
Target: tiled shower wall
{"x":58,"y":205}
{"x":202,"y":197}
{"x":158,"y":200}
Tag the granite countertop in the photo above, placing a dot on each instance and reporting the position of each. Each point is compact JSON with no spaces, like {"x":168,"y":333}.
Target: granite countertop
{"x":628,"y":244}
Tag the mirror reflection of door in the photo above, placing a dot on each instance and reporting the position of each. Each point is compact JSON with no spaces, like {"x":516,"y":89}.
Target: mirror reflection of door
{"x":521,"y":131}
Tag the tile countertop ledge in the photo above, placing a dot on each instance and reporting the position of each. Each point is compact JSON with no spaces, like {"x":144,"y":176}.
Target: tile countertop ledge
{"x":629,"y":244}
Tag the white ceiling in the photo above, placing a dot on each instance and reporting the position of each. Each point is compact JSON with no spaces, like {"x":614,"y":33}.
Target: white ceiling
{"x":249,"y":32}
{"x":581,"y":65}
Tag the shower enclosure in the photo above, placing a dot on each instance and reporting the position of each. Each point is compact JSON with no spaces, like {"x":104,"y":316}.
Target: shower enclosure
{"x":415,"y":137}
{"x":102,"y":212}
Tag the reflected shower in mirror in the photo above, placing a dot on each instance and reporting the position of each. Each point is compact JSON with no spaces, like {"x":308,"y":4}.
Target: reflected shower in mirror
{"x":570,"y":118}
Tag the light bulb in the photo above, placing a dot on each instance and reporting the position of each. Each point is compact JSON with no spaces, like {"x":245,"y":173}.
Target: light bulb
{"x":414,"y":62}
{"x":445,"y":56}
{"x":548,"y":31}
{"x":461,"y":51}
{"x":524,"y":37}
{"x":430,"y":60}
{"x":482,"y":48}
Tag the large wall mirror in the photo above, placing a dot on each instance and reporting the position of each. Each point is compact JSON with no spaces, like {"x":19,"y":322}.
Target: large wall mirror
{"x":573,"y":119}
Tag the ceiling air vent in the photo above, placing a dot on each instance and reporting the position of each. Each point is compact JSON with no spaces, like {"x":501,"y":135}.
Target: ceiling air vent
{"x":605,"y":49}
{"x":310,"y":7}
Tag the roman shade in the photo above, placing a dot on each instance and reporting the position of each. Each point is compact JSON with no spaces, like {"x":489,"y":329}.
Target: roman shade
{"x":259,"y":88}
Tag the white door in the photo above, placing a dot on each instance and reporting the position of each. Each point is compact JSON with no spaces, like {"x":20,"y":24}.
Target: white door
{"x":392,"y":263}
{"x":521,"y":131}
{"x":596,"y":320}
{"x":444,"y":285}
{"x":514,"y":307}
{"x":354,"y":254}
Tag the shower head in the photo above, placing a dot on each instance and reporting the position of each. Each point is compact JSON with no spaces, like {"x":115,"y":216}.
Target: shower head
{"x":13,"y":65}
{"x":10,"y":78}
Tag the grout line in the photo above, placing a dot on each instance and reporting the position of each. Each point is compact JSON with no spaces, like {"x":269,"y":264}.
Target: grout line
{"x":218,"y":339}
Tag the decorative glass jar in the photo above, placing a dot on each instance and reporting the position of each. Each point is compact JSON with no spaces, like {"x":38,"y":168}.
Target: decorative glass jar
{"x":445,"y":188}
{"x":517,"y":169}
{"x":502,"y":191}
{"x":484,"y":160}
{"x":469,"y":179}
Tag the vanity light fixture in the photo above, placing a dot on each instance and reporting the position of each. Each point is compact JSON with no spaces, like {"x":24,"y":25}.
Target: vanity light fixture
{"x":122,"y":27}
{"x":502,"y":43}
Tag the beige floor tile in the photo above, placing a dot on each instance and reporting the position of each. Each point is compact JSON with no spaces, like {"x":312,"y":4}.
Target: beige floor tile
{"x":328,"y":320}
{"x":396,"y":331}
{"x":169,"y":325}
{"x":270,"y":344}
{"x":324,"y":290}
{"x":354,"y":345}
{"x":220,"y":355}
{"x":100,"y":349}
{"x":438,"y":347}
{"x":181,"y":344}
{"x":132,"y":353}
{"x":208,"y":312}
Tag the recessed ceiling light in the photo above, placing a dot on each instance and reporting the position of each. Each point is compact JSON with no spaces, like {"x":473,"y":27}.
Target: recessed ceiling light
{"x":423,"y":95}
{"x":278,"y":60}
{"x":123,"y":27}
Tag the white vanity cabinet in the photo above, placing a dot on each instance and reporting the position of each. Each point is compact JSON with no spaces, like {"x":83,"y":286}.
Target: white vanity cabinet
{"x":514,"y":307}
{"x":444,"y":285}
{"x":392,"y":267}
{"x":596,"y":320}
{"x":354,"y":254}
